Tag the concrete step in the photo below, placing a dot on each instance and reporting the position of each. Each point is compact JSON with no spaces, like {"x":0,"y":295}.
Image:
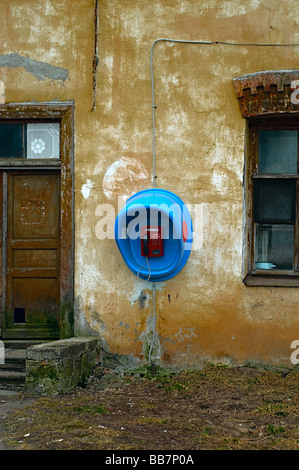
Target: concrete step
{"x":20,"y":343}
{"x":11,"y":380}
{"x":15,"y":359}
{"x":13,"y":371}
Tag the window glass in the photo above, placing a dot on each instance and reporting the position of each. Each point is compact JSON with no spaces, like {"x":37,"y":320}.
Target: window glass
{"x":43,"y":140}
{"x":11,"y":141}
{"x":31,"y":141}
{"x":274,"y":246}
{"x":274,"y":201}
{"x":278,"y":151}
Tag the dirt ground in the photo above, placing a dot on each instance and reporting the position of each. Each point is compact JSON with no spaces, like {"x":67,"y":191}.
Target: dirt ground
{"x":216,"y":408}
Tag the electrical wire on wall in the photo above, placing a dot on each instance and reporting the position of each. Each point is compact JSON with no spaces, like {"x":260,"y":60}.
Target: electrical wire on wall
{"x":152,"y":362}
{"x":154,"y":141}
{"x":182,"y":41}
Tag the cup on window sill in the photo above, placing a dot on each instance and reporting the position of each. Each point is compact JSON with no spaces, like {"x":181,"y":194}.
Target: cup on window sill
{"x":265,"y":265}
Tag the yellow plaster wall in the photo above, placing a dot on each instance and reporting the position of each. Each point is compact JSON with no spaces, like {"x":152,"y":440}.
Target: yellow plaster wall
{"x":206,"y":312}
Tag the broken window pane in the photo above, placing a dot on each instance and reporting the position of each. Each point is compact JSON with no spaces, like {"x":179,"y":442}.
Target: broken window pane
{"x":274,"y":246}
{"x":43,"y":140}
{"x":11,"y":141}
{"x":274,"y":201}
{"x":278,"y":151}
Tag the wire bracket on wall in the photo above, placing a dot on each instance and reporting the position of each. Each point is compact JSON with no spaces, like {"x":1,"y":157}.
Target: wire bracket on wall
{"x":182,"y":41}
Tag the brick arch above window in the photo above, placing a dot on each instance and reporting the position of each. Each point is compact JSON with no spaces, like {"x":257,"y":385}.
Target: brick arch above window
{"x":267,"y":92}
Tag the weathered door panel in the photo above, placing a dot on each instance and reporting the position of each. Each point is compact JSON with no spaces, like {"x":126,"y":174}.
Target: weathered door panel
{"x":32,"y":263}
{"x":2,"y":264}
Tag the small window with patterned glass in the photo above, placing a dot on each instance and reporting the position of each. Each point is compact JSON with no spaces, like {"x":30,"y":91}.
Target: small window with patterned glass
{"x":38,"y":140}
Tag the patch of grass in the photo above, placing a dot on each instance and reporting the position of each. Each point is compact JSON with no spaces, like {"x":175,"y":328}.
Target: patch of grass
{"x":91,"y":409}
{"x":146,"y":406}
{"x":153,"y":420}
{"x":270,"y":408}
{"x":217,"y":407}
{"x":152,"y":371}
{"x":206,"y":431}
{"x":274,"y":430}
{"x":59,"y":423}
{"x":229,"y":443}
{"x":170,"y":384}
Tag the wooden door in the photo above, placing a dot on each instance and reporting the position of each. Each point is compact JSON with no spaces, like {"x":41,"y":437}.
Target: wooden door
{"x":31,"y":236}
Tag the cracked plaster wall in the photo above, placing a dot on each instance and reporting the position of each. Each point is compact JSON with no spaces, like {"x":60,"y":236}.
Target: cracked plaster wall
{"x":40,"y":70}
{"x":47,"y":47}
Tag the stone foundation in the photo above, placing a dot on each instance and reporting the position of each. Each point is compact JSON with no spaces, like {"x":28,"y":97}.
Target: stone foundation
{"x":59,"y":366}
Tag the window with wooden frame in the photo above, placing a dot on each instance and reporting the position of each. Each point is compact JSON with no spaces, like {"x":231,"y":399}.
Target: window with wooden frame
{"x":272,"y":201}
{"x":271,"y":186}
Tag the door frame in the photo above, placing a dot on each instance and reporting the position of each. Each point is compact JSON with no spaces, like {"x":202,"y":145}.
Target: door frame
{"x":64,"y":113}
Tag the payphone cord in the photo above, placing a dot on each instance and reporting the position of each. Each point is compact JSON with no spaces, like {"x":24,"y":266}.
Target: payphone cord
{"x":145,"y":247}
{"x":149,"y":270}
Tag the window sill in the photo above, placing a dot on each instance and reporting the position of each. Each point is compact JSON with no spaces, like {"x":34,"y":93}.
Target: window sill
{"x":21,"y":163}
{"x":256,"y":280}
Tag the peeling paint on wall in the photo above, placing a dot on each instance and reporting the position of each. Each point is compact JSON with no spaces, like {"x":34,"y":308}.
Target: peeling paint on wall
{"x":205,"y":312}
{"x":124,"y":178}
{"x":86,"y":188}
{"x":40,"y":70}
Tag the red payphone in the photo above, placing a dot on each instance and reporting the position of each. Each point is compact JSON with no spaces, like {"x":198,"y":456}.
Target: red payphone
{"x":151,"y":241}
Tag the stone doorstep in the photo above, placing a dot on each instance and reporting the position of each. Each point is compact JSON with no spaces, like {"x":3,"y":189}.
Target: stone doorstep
{"x":61,"y":348}
{"x":15,"y":359}
{"x":15,"y":354}
{"x":59,"y":366}
{"x":12,"y":376}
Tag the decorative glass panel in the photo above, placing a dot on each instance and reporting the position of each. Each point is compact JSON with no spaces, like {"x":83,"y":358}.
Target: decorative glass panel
{"x":11,"y":141}
{"x":278,"y":151}
{"x":274,"y":201}
{"x":43,"y":140}
{"x":274,"y":246}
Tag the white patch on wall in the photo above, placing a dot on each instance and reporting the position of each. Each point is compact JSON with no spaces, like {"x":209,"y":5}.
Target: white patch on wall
{"x":139,"y":287}
{"x":144,"y":286}
{"x":86,"y":188}
{"x":170,"y":80}
{"x":222,"y":253}
{"x":184,"y":335}
{"x":220,"y":182}
{"x":176,"y":128}
{"x":124,"y":177}
{"x":226,"y":156}
{"x":108,"y":62}
{"x":254,"y":4}
{"x":2,"y":93}
{"x":229,"y":9}
{"x":133,"y":26}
